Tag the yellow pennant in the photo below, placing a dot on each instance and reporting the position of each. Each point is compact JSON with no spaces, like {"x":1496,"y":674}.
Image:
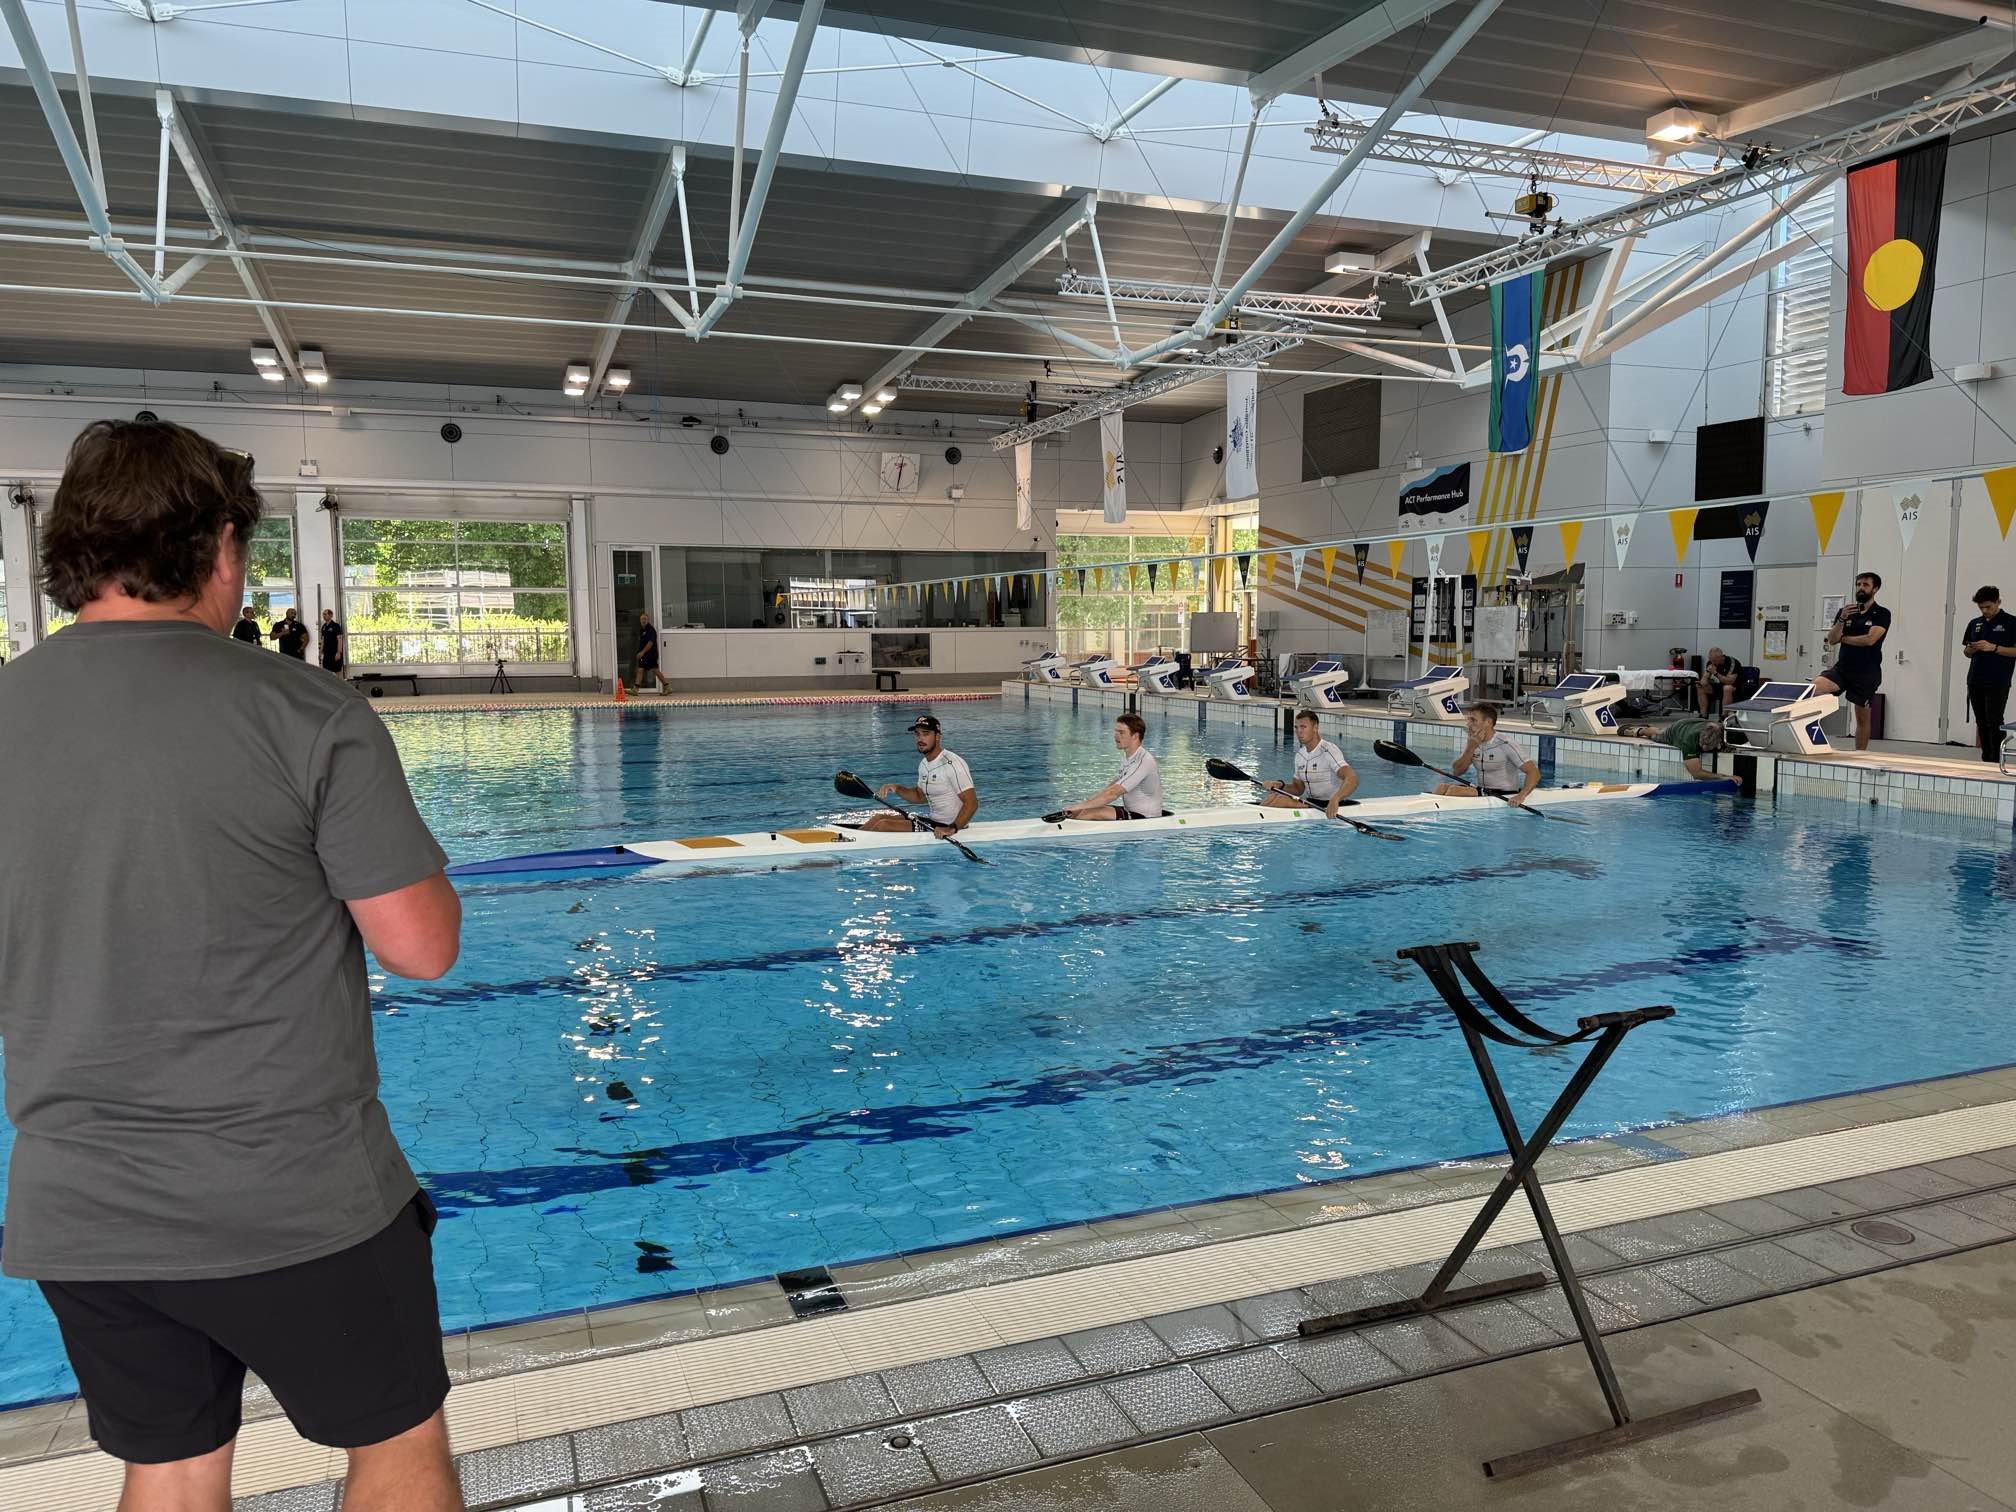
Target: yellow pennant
{"x":1330,"y":560}
{"x":1682,"y":523}
{"x":1479,"y":541}
{"x":1395,"y":552}
{"x":2002,"y":494}
{"x":1267,"y":567}
{"x":1134,"y":575}
{"x":1098,"y":579}
{"x":1571,"y":536}
{"x":1826,"y":510}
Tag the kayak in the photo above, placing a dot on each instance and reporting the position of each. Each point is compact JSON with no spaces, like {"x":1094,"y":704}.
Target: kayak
{"x":840,"y":842}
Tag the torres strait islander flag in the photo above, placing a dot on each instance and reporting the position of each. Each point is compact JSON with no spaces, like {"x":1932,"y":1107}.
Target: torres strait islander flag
{"x":1893,"y":242}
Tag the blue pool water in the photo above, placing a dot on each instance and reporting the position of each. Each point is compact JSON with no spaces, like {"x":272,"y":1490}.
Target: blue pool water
{"x":642,"y":1084}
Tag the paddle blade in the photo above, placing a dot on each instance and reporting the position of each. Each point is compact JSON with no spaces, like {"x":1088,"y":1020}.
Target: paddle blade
{"x":847,"y":785}
{"x":1224,"y":771}
{"x":1399,"y":755}
{"x":1057,"y":816}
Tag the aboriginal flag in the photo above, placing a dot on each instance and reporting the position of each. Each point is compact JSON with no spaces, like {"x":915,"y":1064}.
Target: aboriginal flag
{"x":1893,"y":243}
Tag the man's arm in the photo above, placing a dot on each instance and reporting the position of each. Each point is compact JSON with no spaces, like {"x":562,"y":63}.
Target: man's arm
{"x":1875,"y":634}
{"x":1347,"y":784}
{"x":969,"y":805}
{"x":1463,"y":757}
{"x":907,"y":794}
{"x":1532,"y":771}
{"x":414,"y":932}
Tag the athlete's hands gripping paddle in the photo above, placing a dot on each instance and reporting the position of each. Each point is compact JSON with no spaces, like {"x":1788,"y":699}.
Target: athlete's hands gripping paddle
{"x":1224,"y":771}
{"x":1399,"y":755}
{"x":849,"y":786}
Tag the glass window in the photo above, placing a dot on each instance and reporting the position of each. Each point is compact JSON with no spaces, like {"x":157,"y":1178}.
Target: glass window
{"x":456,"y":592}
{"x":744,"y":588}
{"x":1130,"y":617}
{"x":1795,"y":338}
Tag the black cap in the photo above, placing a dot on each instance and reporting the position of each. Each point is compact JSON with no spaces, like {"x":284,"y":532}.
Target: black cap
{"x":924,"y":722}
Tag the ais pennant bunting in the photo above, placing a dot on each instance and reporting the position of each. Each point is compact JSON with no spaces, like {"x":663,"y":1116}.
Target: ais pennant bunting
{"x":1396,"y":552}
{"x":1893,"y":244}
{"x":1329,"y":555}
{"x":1826,"y":510}
{"x":2001,"y":485}
{"x":1522,"y":546}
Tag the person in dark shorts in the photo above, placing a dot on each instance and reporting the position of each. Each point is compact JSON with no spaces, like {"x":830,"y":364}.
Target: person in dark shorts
{"x":291,"y":636}
{"x":203,"y":1181}
{"x":246,"y":628}
{"x":1990,"y":647}
{"x":1858,"y":670}
{"x":647,"y":654}
{"x":335,"y":644}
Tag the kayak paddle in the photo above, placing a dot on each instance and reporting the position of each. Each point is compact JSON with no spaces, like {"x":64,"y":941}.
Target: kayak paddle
{"x":850,"y":786}
{"x":1399,"y":755}
{"x":1224,"y":771}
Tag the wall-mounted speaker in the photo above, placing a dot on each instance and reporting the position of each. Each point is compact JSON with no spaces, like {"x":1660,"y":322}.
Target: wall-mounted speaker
{"x":451,"y":433}
{"x":954,"y":456}
{"x":718,"y":446}
{"x":1217,"y":454}
{"x":147,"y":417}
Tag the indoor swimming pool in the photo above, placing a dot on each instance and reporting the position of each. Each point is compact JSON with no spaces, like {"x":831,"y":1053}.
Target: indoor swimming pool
{"x":647,"y":1083}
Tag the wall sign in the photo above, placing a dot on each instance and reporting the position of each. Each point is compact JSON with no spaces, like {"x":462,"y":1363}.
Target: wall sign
{"x":1739,"y":593}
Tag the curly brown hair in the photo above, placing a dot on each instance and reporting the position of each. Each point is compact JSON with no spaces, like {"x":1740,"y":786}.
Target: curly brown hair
{"x":143,"y":505}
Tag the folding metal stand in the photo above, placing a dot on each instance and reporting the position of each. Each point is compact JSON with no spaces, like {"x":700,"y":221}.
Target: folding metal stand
{"x":500,"y":683}
{"x":1442,"y":963}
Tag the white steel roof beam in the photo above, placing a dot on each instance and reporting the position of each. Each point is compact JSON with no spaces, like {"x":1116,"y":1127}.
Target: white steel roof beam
{"x":1976,"y":48}
{"x":1346,"y":42}
{"x":665,"y":192}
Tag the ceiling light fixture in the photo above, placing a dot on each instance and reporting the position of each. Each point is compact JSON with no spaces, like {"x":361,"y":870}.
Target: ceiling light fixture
{"x":617,"y":379}
{"x":1345,"y":261}
{"x":886,"y":394}
{"x":1675,"y":126}
{"x":851,"y":392}
{"x":871,"y":407}
{"x":836,"y":402}
{"x":575,"y":384}
{"x":266,"y":362}
{"x":313,"y":369}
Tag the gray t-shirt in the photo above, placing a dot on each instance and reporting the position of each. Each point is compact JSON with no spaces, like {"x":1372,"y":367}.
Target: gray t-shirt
{"x":184,"y":1009}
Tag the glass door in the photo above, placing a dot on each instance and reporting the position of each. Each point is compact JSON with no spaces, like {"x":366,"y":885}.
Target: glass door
{"x":632,"y":591}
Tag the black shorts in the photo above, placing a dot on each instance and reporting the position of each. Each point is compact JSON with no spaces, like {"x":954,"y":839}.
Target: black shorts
{"x":350,"y":1345}
{"x":1857,"y":687}
{"x":648,"y":660}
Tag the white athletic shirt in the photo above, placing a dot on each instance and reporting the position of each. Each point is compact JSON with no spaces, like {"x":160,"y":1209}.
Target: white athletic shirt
{"x":1501,"y":765}
{"x":1318,"y":770}
{"x":943,"y":779}
{"x":1140,"y":782}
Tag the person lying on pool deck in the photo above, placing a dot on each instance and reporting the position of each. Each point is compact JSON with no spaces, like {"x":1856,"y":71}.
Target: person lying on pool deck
{"x":1322,"y":775}
{"x":1690,"y":737}
{"x":1137,"y":792}
{"x":1503,"y":770}
{"x":944,"y":781}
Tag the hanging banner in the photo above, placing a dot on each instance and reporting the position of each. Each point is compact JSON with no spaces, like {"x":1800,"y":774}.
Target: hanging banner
{"x":1754,"y":516}
{"x":1295,"y":561}
{"x":2001,"y":485}
{"x":1081,"y":579}
{"x":1267,"y":568}
{"x":1153,"y":568}
{"x":1330,"y":560}
{"x":1113,"y":449}
{"x":1522,"y":546}
{"x":1245,"y":567}
{"x":1515,"y":360}
{"x":1480,"y":542}
{"x":1440,"y":500}
{"x":1621,"y":527}
{"x":1098,"y":579}
{"x":1197,"y":573}
{"x":1681,"y":523}
{"x":1893,"y":213}
{"x":1910,"y":503}
{"x":1242,"y":434}
{"x":1133,"y":577}
{"x":1359,"y":553}
{"x":1826,"y":510}
{"x":1396,"y":553}
{"x":1571,"y":537}
{"x":1434,"y":555}
{"x":1025,"y":495}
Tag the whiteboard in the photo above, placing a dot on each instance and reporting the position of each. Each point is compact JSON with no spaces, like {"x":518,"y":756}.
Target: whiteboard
{"x":1497,"y":634}
{"x":1386,"y":632}
{"x":1214,"y":634}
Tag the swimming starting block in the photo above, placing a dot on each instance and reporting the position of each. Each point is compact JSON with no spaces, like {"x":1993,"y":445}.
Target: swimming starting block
{"x":1436,"y":694}
{"x":1050,"y":667}
{"x":1784,"y":716}
{"x":1233,"y":681}
{"x":1322,"y":686}
{"x":1158,"y":674}
{"x":1097,"y":672}
{"x":1582,"y":703}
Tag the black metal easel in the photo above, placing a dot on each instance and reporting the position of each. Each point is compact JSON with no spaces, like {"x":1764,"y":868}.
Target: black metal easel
{"x":1442,"y":964}
{"x":499,"y":682}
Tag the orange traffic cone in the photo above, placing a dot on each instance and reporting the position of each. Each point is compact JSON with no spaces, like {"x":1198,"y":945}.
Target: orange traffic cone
{"x":620,"y":695}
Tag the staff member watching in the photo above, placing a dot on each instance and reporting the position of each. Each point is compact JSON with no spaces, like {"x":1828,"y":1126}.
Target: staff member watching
{"x":246,"y":628}
{"x":203,"y":1180}
{"x":1503,"y":770}
{"x":1990,"y":648}
{"x":1137,"y":792}
{"x":1322,"y":775}
{"x":944,"y":782}
{"x":291,"y":636}
{"x":1717,"y":687}
{"x":335,"y":644}
{"x":1858,"y":672}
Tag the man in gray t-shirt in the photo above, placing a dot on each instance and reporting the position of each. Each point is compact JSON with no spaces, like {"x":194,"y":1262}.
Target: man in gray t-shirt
{"x":203,"y":1179}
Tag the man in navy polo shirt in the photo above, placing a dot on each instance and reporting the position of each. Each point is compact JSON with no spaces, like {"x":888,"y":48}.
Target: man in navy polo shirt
{"x":1990,"y":648}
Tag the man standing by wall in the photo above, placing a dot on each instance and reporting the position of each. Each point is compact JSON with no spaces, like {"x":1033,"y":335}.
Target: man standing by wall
{"x":1990,"y":648}
{"x":203,"y":1179}
{"x":335,"y":645}
{"x":246,"y":627}
{"x":291,"y":636}
{"x":1858,"y":671}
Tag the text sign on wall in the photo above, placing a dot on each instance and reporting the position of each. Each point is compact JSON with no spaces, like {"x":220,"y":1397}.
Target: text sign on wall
{"x":1739,"y":594}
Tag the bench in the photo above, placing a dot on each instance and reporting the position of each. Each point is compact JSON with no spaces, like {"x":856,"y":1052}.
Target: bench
{"x":411,"y":679}
{"x":885,"y":680}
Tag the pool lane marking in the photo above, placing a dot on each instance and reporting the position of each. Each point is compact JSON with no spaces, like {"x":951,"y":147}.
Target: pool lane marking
{"x":591,"y":1393}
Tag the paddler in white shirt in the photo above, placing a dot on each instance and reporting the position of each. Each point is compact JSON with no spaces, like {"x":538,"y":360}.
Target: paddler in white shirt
{"x":1137,"y":792}
{"x":1322,"y":775}
{"x":1503,"y":770}
{"x":944,"y":783}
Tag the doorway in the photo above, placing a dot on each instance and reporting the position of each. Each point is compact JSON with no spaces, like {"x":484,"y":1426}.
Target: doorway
{"x":632,"y":590}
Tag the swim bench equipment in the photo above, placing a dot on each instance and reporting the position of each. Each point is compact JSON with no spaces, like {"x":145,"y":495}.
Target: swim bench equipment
{"x":1322,"y":686}
{"x":1582,"y":703}
{"x":1436,"y":694}
{"x":1785,"y":717}
{"x":1443,"y":965}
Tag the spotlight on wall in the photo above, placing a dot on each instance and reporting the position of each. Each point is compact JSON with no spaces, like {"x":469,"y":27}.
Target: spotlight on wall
{"x":617,"y":379}
{"x":266,"y":362}
{"x":313,"y":368}
{"x":851,"y":392}
{"x":576,"y":382}
{"x":886,"y":394}
{"x":1675,"y":127}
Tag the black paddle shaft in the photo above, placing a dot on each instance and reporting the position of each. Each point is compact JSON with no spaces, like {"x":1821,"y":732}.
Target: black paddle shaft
{"x":1400,"y":755}
{"x":849,"y":786}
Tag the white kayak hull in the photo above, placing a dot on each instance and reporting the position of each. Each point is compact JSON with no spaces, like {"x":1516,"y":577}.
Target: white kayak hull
{"x":835,"y":842}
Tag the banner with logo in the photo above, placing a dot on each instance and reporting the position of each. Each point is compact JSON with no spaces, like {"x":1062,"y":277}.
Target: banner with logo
{"x":1621,"y":527}
{"x":1440,"y":499}
{"x":1359,"y":553}
{"x":1522,"y":546}
{"x":1242,"y":434}
{"x":1434,"y":555}
{"x":1295,"y":561}
{"x":1025,"y":495}
{"x":1113,"y":452}
{"x":1754,"y":516}
{"x":1910,"y":503}
{"x":1515,"y":360}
